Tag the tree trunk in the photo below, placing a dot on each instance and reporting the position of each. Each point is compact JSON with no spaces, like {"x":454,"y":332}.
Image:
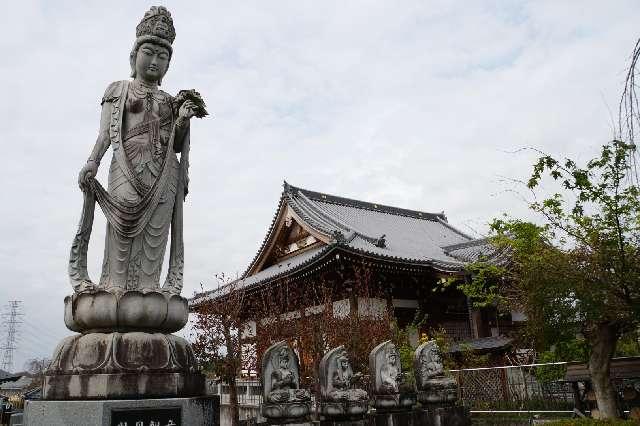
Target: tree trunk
{"x":233,"y":402}
{"x":603,"y":341}
{"x":233,"y":356}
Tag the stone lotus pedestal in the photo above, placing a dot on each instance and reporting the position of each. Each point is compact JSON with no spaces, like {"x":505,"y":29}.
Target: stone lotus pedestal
{"x":286,"y":412}
{"x":123,"y":364}
{"x":123,"y":349}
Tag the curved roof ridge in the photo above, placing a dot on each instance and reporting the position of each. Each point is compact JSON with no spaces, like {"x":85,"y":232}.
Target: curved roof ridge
{"x":326,"y":216}
{"x":454,"y":229}
{"x":313,"y":212}
{"x":365,"y":205}
{"x":340,"y":222}
{"x":466,"y":244}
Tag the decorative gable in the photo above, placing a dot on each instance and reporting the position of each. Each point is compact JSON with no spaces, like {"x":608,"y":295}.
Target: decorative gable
{"x":291,"y":238}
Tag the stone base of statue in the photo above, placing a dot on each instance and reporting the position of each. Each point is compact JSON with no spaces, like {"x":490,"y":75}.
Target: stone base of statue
{"x":167,"y":411}
{"x":346,"y":410}
{"x":391,"y":418}
{"x":394,"y":402}
{"x":122,"y":386}
{"x":124,"y":350}
{"x":286,"y":412}
{"x":438,"y":415}
{"x":444,"y":396}
{"x":344,"y":422}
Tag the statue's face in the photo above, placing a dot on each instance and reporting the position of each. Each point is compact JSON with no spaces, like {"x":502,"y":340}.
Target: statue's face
{"x":393,"y":358}
{"x":284,"y":361}
{"x":152,"y":62}
{"x":344,"y":363}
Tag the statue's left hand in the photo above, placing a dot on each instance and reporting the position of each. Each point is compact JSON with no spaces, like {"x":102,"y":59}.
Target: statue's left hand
{"x":88,"y":171}
{"x":187,"y":110}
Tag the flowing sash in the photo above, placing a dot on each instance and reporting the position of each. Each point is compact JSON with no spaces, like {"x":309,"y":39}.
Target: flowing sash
{"x":129,"y":219}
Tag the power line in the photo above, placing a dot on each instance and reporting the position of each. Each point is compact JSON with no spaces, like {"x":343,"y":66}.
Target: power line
{"x":11,"y":320}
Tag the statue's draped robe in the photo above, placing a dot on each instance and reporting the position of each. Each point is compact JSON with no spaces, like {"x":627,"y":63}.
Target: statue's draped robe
{"x":389,"y":374}
{"x":143,"y":201}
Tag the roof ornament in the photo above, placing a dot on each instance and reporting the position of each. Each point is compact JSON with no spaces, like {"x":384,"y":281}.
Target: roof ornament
{"x":338,"y":236}
{"x":381,"y":241}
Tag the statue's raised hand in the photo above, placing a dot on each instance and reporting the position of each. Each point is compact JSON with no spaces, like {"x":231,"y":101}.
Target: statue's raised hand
{"x":187,"y":110}
{"x":88,"y":171}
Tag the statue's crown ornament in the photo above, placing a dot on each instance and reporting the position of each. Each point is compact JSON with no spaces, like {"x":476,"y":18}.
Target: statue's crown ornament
{"x":156,"y":27}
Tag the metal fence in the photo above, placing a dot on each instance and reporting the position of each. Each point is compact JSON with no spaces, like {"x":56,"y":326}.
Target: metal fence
{"x":513,"y":388}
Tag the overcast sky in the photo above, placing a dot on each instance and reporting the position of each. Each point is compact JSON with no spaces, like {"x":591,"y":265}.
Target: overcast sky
{"x":414,"y":104}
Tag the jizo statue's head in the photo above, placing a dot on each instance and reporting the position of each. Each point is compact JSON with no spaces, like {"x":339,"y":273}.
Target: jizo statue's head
{"x":151,"y":53}
{"x":343,"y":362}
{"x":431,"y":354}
{"x":283,"y":359}
{"x":392,"y":356}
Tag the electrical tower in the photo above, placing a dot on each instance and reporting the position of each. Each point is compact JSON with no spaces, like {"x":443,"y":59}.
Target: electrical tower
{"x":11,"y":320}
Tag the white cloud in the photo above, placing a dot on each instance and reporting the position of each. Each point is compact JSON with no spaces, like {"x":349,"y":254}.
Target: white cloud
{"x":407,"y":103}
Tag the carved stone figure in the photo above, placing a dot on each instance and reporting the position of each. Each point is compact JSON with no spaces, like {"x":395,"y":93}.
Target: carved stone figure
{"x":340,"y":396}
{"x":124,"y":350}
{"x":390,"y":389}
{"x":434,"y":386}
{"x":283,"y":398}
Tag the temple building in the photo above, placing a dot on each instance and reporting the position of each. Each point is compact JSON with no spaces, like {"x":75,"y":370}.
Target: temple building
{"x":317,"y":238}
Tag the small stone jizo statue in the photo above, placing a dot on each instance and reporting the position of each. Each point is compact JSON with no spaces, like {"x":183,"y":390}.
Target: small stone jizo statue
{"x":434,"y":386}
{"x":283,"y":398}
{"x":390,"y":387}
{"x":338,"y":384}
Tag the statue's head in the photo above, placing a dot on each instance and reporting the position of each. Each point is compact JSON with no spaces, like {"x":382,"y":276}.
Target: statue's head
{"x":430,"y":354}
{"x":343,"y":361}
{"x":392,"y":355}
{"x":283,"y":358}
{"x":152,"y":49}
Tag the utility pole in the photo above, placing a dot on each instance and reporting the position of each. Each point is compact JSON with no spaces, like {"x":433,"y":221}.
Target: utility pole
{"x":11,"y":320}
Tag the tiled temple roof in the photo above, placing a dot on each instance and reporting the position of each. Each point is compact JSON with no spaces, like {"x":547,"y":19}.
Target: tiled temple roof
{"x":483,"y":344}
{"x":375,"y":230}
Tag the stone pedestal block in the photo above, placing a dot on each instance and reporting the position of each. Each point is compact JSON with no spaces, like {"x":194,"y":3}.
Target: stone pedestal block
{"x":203,"y":411}
{"x":454,"y":415}
{"x":361,"y":422}
{"x":122,"y":366}
{"x":392,"y":418}
{"x":122,"y":386}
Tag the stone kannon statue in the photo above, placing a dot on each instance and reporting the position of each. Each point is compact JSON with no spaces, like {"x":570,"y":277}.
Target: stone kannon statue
{"x":434,"y":386}
{"x":390,"y":389}
{"x":283,"y":398}
{"x":125,"y":349}
{"x":340,"y":396}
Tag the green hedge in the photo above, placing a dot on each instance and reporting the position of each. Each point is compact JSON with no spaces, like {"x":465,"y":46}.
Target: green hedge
{"x":591,"y":422}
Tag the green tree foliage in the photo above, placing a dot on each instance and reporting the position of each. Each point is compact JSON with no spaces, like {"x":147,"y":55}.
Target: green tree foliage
{"x":578,"y":271}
